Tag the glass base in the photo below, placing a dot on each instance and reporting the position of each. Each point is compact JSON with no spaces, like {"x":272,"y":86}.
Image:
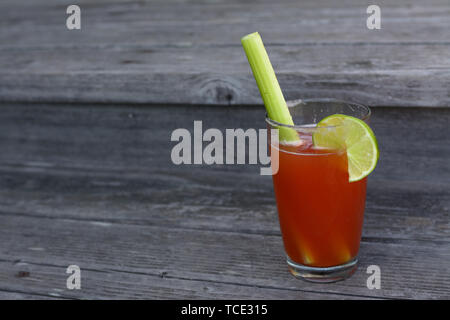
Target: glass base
{"x":322,"y":275}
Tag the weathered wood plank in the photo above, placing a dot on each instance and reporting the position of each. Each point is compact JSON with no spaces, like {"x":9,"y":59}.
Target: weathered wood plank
{"x":221,"y":22}
{"x":189,"y":52}
{"x":412,"y":75}
{"x":49,"y":281}
{"x":391,"y":218}
{"x":242,"y":260}
{"x":79,"y":137}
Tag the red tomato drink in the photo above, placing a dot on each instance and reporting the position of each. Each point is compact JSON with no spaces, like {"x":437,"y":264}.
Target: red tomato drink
{"x":320,"y":211}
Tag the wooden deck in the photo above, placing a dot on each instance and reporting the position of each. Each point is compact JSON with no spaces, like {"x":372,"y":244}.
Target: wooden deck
{"x":85,"y":123}
{"x":94,"y":186}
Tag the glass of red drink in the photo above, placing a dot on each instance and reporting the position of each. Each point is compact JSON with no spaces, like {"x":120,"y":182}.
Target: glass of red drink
{"x":320,"y":211}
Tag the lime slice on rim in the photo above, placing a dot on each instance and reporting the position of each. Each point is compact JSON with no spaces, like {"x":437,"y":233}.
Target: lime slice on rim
{"x":354,"y":135}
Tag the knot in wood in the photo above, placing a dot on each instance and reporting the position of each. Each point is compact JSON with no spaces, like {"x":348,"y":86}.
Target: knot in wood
{"x":219,"y":91}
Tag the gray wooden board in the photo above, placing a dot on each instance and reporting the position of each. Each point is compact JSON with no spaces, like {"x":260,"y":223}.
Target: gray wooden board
{"x":190,"y":52}
{"x":93,"y":185}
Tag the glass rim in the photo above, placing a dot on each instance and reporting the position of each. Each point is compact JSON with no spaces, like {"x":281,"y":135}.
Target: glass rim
{"x":294,"y":103}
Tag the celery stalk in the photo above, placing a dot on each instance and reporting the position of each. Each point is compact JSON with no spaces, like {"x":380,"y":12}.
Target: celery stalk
{"x":268,"y":86}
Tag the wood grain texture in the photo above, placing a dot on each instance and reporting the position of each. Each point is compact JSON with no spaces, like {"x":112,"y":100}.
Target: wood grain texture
{"x":94,"y":186}
{"x":189,"y":51}
{"x":47,"y":281}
